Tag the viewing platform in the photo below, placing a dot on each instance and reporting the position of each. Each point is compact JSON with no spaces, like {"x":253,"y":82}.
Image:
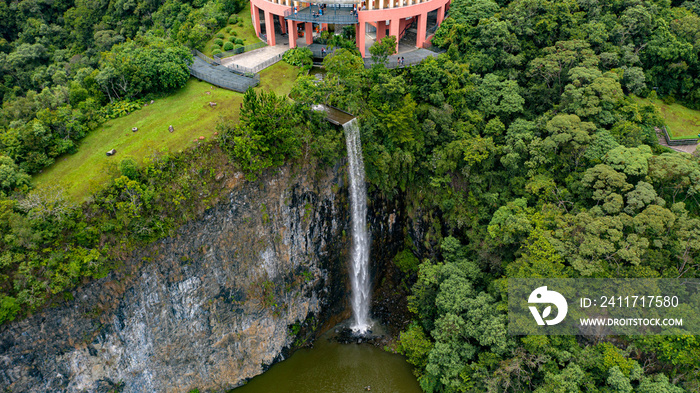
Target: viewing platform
{"x":334,"y":115}
{"x":339,"y":14}
{"x":368,"y":5}
{"x":373,"y":20}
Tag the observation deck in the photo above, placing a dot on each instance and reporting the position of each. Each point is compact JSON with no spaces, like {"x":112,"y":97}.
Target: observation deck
{"x":339,"y":14}
{"x":366,"y":5}
{"x":373,"y":19}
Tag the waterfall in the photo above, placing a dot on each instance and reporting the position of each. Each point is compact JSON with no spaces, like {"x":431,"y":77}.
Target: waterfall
{"x":359,"y":266}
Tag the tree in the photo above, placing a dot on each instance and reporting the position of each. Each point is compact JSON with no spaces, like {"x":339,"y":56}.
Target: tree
{"x":500,"y":97}
{"x":559,"y":59}
{"x":467,"y":320}
{"x":676,"y":178}
{"x":470,"y":12}
{"x":342,"y":85}
{"x":12,"y":179}
{"x":300,"y":57}
{"x":592,"y":95}
{"x":270,"y":132}
{"x":634,"y":80}
{"x":633,"y":162}
{"x":570,"y":135}
{"x":382,"y":49}
{"x":146,"y":65}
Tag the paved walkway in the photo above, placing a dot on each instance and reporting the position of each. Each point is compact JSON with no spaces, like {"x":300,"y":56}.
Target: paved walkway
{"x":404,"y":45}
{"x":258,"y":56}
{"x":681,"y":148}
{"x":409,"y":58}
{"x":221,"y":76}
{"x":258,"y":59}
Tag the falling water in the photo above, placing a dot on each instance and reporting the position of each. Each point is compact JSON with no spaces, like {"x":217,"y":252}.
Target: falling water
{"x":359,"y":269}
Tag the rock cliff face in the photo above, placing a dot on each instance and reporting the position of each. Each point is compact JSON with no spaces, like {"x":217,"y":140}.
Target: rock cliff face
{"x":209,"y":307}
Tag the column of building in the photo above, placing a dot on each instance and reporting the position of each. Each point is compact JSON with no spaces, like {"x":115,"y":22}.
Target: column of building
{"x":422,"y":28}
{"x":360,"y":34}
{"x":270,"y":28}
{"x":283,"y":25}
{"x":255,"y":16}
{"x":309,"y":33}
{"x":292,"y":31}
{"x":394,"y":30}
{"x":381,"y":29}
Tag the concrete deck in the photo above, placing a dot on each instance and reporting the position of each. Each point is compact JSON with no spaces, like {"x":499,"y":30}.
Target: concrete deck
{"x":258,"y":56}
{"x":333,"y":15}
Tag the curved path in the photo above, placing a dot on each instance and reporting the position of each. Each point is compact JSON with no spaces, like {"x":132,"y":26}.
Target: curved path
{"x":221,"y":76}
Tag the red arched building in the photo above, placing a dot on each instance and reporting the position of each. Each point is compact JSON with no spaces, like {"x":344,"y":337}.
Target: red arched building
{"x":377,"y":16}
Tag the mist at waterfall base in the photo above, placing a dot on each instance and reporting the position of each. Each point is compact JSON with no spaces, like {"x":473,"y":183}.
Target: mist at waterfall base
{"x":359,"y":264}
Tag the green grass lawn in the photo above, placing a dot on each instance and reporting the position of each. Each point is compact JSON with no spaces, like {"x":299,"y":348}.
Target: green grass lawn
{"x":243,"y":29}
{"x":681,"y":122}
{"x":279,"y":78}
{"x":187,"y":110}
{"x":86,"y":171}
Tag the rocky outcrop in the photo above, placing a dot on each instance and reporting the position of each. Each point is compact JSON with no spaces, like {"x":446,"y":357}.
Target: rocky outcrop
{"x":208,"y":307}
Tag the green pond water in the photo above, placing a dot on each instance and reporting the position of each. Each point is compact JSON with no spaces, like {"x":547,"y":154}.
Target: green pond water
{"x":331,"y":367}
{"x":317,"y":71}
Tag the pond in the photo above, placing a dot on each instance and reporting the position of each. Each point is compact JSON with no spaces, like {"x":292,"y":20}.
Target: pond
{"x":331,"y":367}
{"x":317,"y":71}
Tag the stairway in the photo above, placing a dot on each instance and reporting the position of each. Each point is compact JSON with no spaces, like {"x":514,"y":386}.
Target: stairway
{"x":410,"y":35}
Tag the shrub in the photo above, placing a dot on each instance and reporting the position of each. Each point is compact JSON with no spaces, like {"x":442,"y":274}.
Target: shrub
{"x":299,"y":57}
{"x":220,"y":35}
{"x":238,"y":48}
{"x":406,"y":261}
{"x":238,"y":41}
{"x":228,"y":29}
{"x":218,"y":42}
{"x":228,"y":46}
{"x":232,"y":39}
{"x":117,"y":109}
{"x":270,"y":132}
{"x":129,"y":168}
{"x":9,"y":308}
{"x":668,"y":100}
{"x":235,"y":33}
{"x":233,"y":19}
{"x":216,"y":51}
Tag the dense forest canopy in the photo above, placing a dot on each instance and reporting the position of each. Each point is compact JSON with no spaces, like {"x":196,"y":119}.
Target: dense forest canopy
{"x":62,"y":61}
{"x":519,"y":152}
{"x":523,"y":154}
{"x":66,"y":67}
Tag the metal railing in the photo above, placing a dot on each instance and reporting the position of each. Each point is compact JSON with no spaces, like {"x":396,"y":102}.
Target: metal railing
{"x":333,"y":13}
{"x":403,"y":32}
{"x":254,"y":70}
{"x":206,"y":58}
{"x":239,"y":50}
{"x":678,"y":142}
{"x":240,"y":84}
{"x":268,"y":63}
{"x":320,"y":54}
{"x":432,"y":30}
{"x":394,"y":61}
